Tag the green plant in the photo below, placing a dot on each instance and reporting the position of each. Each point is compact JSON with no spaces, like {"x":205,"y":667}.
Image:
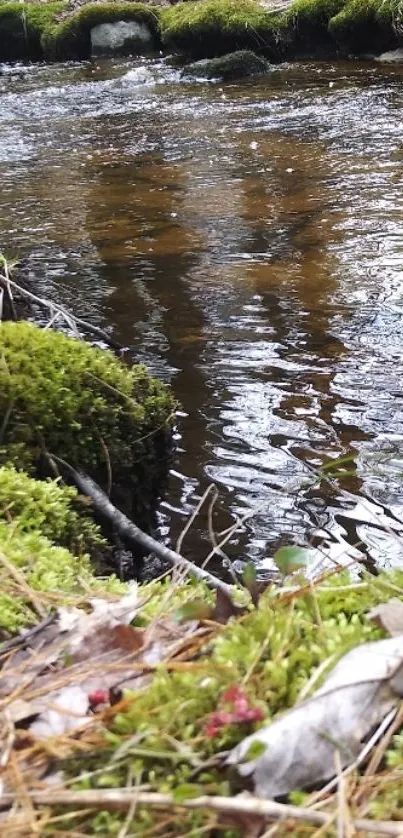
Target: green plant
{"x":62,"y":396}
{"x":57,"y":512}
{"x":216,"y":27}
{"x":45,"y":568}
{"x":271,"y":653}
{"x":22,"y":26}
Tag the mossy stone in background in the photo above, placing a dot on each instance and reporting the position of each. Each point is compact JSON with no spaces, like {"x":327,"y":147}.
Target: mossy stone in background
{"x":368,"y":26}
{"x":207,"y":28}
{"x":80,"y":403}
{"x":71,"y":38}
{"x":22,"y":28}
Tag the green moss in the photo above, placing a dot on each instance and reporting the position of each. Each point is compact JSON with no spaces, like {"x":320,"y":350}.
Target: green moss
{"x":22,"y":26}
{"x":57,"y":512}
{"x":271,"y":652}
{"x":366,"y":25}
{"x":71,"y":38}
{"x":45,"y":568}
{"x":205,"y":28}
{"x":83,"y":405}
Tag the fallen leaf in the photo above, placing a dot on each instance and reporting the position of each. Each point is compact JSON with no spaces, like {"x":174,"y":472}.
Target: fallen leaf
{"x":388,"y":616}
{"x":300,"y":746}
{"x":66,"y":711}
{"x":82,"y":661}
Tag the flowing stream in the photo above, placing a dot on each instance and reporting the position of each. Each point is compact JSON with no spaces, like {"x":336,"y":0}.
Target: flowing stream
{"x":246,"y":241}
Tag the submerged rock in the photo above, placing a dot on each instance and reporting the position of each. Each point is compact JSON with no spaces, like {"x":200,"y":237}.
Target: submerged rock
{"x":121,"y":36}
{"x":235,"y":65}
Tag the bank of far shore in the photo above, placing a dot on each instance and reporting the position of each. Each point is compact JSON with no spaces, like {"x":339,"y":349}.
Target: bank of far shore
{"x":277,"y":29}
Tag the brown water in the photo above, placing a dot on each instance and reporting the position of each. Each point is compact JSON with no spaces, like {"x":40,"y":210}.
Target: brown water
{"x":247,"y":242}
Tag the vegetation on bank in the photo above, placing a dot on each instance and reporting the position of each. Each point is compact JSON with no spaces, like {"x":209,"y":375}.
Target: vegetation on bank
{"x":82,"y":405}
{"x":61,"y":397}
{"x":166,"y":737}
{"x":57,"y":511}
{"x":206,"y":28}
{"x":48,"y":31}
{"x":71,"y":38}
{"x":36,"y":573}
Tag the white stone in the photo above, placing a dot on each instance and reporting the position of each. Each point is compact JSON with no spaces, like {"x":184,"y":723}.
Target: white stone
{"x":111,"y":37}
{"x":393,"y":57}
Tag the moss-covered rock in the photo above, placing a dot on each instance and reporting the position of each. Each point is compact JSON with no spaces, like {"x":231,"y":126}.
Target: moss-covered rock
{"x":368,"y":25}
{"x":235,"y":65}
{"x":71,"y":38}
{"x":205,"y":28}
{"x":309,"y":21}
{"x":57,"y":512}
{"x":60,"y":395}
{"x":23,"y":26}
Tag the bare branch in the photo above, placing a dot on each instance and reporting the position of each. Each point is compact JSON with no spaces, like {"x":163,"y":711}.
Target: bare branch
{"x":268,"y":810}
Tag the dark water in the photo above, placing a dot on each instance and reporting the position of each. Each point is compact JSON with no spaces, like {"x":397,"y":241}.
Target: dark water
{"x":247,"y":242}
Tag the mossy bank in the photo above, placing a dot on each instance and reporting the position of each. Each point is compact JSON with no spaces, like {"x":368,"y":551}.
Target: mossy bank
{"x":204,"y":28}
{"x":62,"y":397}
{"x":159,"y":735}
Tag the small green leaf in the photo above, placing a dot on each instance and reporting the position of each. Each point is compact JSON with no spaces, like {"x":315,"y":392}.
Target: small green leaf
{"x":249,"y":575}
{"x":255,"y":750}
{"x":186,"y":791}
{"x":289,"y":559}
{"x":334,"y":464}
{"x":196,"y":609}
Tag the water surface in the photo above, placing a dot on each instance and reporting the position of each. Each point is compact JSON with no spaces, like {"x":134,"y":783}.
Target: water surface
{"x":247,"y":242}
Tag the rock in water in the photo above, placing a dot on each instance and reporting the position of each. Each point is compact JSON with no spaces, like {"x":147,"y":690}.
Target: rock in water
{"x":121,"y":36}
{"x":395,"y":56}
{"x":234,"y":65}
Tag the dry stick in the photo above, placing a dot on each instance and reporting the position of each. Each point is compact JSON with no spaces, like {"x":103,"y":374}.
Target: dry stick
{"x":321,"y":794}
{"x":60,"y":311}
{"x":193,"y":517}
{"x":134,"y":534}
{"x":121,"y":800}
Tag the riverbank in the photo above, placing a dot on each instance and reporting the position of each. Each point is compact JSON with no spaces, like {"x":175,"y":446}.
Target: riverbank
{"x":159,"y":686}
{"x":199,"y":28}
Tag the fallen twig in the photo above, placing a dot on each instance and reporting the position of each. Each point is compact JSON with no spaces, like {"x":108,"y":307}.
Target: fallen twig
{"x":57,"y":311}
{"x":131,"y":532}
{"x":122,"y":799}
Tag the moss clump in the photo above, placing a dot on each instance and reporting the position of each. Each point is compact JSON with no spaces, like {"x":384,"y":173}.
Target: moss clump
{"x":204,"y":28}
{"x":271,"y":652}
{"x":235,"y":65}
{"x":309,"y":20}
{"x":367,"y":25}
{"x":72,"y":37}
{"x":46,"y":568}
{"x":57,"y":512}
{"x":23,"y":26}
{"x":84,"y":406}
